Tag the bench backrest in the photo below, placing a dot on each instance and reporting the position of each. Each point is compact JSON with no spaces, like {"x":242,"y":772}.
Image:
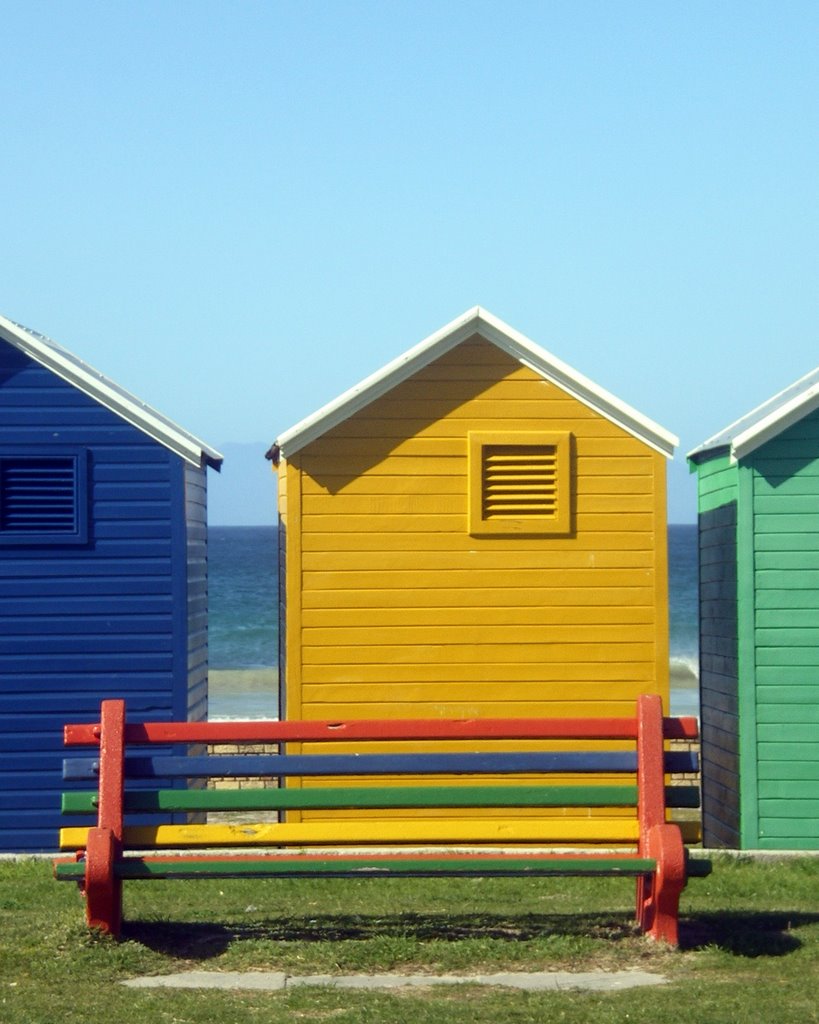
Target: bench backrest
{"x":523,"y":767}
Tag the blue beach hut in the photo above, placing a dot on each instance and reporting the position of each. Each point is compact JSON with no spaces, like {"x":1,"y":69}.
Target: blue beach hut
{"x":103,"y":568}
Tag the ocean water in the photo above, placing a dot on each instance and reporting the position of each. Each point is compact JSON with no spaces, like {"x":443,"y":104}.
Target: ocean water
{"x":244,"y":628}
{"x":683,"y":618}
{"x":242,"y":597}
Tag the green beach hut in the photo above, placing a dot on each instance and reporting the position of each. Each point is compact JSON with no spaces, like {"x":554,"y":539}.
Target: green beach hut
{"x":758,"y":499}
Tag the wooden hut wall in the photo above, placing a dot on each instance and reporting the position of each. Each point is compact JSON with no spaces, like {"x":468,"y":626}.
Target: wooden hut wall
{"x":783,"y":719}
{"x":719,"y":670}
{"x":284,"y":538}
{"x":394,"y":609}
{"x":196,"y":630}
{"x":98,"y":618}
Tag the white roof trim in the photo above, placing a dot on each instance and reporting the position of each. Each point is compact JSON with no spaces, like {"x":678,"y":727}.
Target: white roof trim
{"x":766,"y":421}
{"x":775,"y":423}
{"x":475,"y":321}
{"x":93,"y":383}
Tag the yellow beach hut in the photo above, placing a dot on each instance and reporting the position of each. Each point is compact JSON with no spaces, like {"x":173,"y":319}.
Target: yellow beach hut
{"x":476,"y":529}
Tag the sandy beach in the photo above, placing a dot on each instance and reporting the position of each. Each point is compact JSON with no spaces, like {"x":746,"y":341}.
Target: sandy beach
{"x":685,"y":688}
{"x":243,"y":693}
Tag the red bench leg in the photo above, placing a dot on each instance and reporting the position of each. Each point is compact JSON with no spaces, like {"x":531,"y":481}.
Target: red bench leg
{"x":103,"y":890}
{"x":658,"y":912}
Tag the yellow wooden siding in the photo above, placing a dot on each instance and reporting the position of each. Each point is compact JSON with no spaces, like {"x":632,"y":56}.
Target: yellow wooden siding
{"x":281,"y":502}
{"x":291,"y":524}
{"x":394,"y":610}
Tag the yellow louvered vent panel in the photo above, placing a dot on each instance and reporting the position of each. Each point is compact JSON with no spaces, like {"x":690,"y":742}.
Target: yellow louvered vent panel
{"x":519,"y":480}
{"x":520,"y":483}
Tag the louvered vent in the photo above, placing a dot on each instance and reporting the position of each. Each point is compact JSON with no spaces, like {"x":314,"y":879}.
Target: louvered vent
{"x":38,"y":495}
{"x":519,"y":481}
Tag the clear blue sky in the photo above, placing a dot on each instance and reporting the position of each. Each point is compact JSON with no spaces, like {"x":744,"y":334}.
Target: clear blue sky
{"x":238,"y":210}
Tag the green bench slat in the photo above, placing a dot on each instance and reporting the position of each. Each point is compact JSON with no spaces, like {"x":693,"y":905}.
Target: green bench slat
{"x":682,"y":796}
{"x":152,"y":801}
{"x":358,"y":867}
{"x":698,"y":867}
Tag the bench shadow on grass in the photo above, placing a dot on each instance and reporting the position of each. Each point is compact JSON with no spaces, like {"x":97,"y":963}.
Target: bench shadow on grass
{"x":741,"y":934}
{"x":746,"y":934}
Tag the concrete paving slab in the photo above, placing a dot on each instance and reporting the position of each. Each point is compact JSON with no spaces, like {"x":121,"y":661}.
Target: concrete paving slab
{"x":271,"y":981}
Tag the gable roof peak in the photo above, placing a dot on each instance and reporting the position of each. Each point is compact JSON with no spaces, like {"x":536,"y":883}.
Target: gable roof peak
{"x":476,"y":320}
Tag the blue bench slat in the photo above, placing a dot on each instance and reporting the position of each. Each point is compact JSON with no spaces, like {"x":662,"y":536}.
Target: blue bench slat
{"x":240,"y":765}
{"x":681,"y":762}
{"x":237,"y":766}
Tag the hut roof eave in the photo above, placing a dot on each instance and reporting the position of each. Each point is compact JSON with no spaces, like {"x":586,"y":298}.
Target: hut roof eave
{"x":765,"y":422}
{"x":103,"y":390}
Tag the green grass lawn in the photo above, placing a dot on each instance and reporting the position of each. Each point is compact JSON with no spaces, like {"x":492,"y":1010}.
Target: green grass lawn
{"x":750,"y":948}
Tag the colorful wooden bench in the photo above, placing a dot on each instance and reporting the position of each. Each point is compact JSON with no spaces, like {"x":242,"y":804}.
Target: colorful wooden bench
{"x":613,"y":824}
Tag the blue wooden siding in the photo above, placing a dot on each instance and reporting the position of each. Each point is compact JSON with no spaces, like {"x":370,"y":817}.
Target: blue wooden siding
{"x":719,"y":673}
{"x":196,"y":551}
{"x":786,"y":622}
{"x":83,"y":622}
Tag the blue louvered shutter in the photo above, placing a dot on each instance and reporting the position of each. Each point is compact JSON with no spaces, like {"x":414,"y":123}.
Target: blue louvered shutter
{"x":41,"y":498}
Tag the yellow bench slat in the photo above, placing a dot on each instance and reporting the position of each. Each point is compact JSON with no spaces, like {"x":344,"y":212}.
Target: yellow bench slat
{"x":569,"y":831}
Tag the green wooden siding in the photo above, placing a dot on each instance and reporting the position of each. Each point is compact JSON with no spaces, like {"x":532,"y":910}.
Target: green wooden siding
{"x":717,"y":485}
{"x":785,"y":680}
{"x":716,"y":482}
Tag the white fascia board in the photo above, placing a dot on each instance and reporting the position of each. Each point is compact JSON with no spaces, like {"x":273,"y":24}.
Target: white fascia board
{"x":775,"y":423}
{"x":766,"y":420}
{"x":724,"y":439}
{"x":476,"y":321}
{"x":717,"y":441}
{"x":377,"y":384}
{"x":576,"y":384}
{"x":97,"y":386}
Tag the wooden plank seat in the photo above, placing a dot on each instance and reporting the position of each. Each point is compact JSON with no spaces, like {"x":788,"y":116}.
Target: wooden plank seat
{"x":609,"y":817}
